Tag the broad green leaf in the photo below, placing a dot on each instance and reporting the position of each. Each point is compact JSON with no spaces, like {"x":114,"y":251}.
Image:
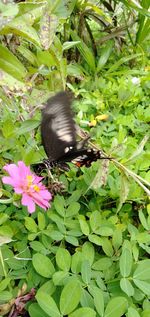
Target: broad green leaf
{"x":36,"y":311}
{"x":86,"y":272}
{"x":76,"y":262}
{"x":142,"y":271}
{"x":37,"y":246}
{"x":5,"y":297}
{"x":48,"y":287}
{"x":3,"y":218}
{"x":10,"y":64}
{"x":107,"y":247}
{"x":86,"y":299}
{"x":4,"y":283}
{"x":48,"y":27}
{"x":70,"y":297}
{"x":83,"y":312}
{"x":27,"y":126}
{"x":72,"y":240}
{"x":48,"y":304}
{"x":88,"y":252}
{"x":27,"y":54}
{"x":132,"y":312}
{"x":102,"y":264}
{"x":72,"y":209}
{"x":20,"y":27}
{"x":13,"y":84}
{"x":84,"y":51}
{"x":126,"y":286}
{"x":84,"y":225}
{"x":143,"y":286}
{"x":122,"y":61}
{"x":95,"y":220}
{"x":59,"y":204}
{"x":67,"y":45}
{"x":43,"y":265}
{"x":117,"y":238}
{"x":143,"y":220}
{"x":59,"y":277}
{"x":105,"y":53}
{"x":125,"y":262}
{"x":63,"y":259}
{"x":30,"y":224}
{"x":124,"y":191}
{"x":41,"y":220}
{"x":116,"y":307}
{"x":46,"y":58}
{"x":95,"y":239}
{"x":98,"y":299}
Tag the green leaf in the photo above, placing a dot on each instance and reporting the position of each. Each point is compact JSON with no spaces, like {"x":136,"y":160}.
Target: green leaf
{"x":11,"y":82}
{"x":4,"y":283}
{"x":86,"y":272}
{"x":84,"y":50}
{"x":95,"y":239}
{"x":63,"y":259}
{"x":48,"y":304}
{"x":43,"y":265}
{"x":10,"y":64}
{"x":88,"y":252}
{"x":143,"y":286}
{"x":48,"y":27}
{"x":143,"y":220}
{"x":132,"y":312}
{"x":105,"y":53}
{"x":59,"y":277}
{"x":72,"y":240}
{"x":76,"y":262}
{"x":142,"y":271}
{"x":36,"y":311}
{"x":125,"y":262}
{"x":5,"y":297}
{"x":70,"y":297}
{"x":83,"y":312}
{"x":126,"y":286}
{"x":102,"y":264}
{"x":116,"y":307}
{"x":30,"y":224}
{"x":122,"y":61}
{"x":83,"y":225}
{"x":67,"y":45}
{"x":98,"y":299}
{"x":20,"y":27}
{"x":117,"y":238}
{"x":27,"y":126}
{"x":41,"y":221}
{"x":107,"y":247}
{"x":72,"y":209}
{"x":59,"y":204}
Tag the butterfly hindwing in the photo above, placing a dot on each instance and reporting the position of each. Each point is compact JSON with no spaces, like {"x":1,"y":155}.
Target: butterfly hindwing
{"x":58,"y":127}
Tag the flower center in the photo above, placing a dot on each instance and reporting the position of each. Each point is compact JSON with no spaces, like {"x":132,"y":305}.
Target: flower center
{"x":30,"y":184}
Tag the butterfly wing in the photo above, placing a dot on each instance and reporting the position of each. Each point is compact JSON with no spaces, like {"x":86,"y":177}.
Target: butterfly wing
{"x":57,"y":127}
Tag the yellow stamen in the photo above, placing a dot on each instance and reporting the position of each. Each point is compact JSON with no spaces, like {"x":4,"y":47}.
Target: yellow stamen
{"x":36,"y":188}
{"x":29,"y":179}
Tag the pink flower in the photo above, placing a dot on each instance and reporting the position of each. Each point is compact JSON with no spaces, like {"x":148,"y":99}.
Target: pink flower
{"x":28,"y":185}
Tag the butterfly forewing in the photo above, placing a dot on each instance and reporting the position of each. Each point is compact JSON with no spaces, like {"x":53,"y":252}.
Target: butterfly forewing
{"x":58,"y":127}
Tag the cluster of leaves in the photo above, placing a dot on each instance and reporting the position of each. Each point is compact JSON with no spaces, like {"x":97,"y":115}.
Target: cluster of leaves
{"x":88,"y":255}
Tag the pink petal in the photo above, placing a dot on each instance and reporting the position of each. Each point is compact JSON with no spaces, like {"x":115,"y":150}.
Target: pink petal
{"x":46,"y":194}
{"x":23,"y":170}
{"x":28,"y":201}
{"x":12,"y":170}
{"x":40,"y":200}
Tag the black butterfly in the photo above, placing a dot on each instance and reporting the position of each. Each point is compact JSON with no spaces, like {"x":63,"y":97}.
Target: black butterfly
{"x":58,"y":134}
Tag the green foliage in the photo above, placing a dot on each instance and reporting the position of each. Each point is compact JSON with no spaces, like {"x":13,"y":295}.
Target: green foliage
{"x":88,"y":255}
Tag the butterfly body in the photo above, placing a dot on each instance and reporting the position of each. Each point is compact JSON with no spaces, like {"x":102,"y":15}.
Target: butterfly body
{"x":59,"y":134}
